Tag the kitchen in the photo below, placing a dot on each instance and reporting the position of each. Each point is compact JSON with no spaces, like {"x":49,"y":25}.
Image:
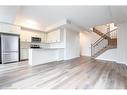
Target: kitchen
{"x":38,"y":47}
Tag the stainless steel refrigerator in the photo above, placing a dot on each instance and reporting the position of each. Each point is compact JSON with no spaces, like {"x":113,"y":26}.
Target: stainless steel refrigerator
{"x":9,"y":48}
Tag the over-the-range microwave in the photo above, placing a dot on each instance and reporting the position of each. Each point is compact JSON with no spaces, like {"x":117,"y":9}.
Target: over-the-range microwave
{"x":35,"y":40}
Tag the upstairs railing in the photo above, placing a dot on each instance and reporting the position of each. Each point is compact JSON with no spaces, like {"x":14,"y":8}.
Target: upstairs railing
{"x":102,"y":43}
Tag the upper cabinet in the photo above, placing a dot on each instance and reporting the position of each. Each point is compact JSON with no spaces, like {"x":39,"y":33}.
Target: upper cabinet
{"x":50,"y":37}
{"x":26,"y":35}
{"x":53,"y":36}
{"x":9,"y":28}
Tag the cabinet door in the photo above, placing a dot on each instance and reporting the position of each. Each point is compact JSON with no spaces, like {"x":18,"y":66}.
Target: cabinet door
{"x":23,"y":36}
{"x":7,"y":28}
{"x":23,"y":54}
{"x":28,"y":38}
{"x":53,"y":36}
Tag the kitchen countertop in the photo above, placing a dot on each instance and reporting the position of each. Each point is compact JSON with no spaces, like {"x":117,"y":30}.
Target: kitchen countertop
{"x":46,"y":48}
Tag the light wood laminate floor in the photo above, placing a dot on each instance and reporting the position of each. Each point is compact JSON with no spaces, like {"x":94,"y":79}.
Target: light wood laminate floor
{"x":78,"y":73}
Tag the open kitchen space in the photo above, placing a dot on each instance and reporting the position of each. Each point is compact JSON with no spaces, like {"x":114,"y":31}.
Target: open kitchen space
{"x":32,"y":52}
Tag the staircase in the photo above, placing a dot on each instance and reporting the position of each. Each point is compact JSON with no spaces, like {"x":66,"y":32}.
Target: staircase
{"x":105,"y":42}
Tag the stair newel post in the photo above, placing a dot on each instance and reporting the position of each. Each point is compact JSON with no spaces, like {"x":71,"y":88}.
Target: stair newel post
{"x":91,"y":50}
{"x":108,"y":30}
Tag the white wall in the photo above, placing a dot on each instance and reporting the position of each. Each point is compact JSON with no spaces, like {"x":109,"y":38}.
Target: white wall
{"x":122,"y":43}
{"x":8,"y":14}
{"x":85,"y":44}
{"x":72,"y":46}
{"x":86,"y":39}
{"x":109,"y":55}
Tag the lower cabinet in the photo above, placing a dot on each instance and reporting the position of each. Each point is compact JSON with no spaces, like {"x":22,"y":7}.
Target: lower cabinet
{"x":23,"y":54}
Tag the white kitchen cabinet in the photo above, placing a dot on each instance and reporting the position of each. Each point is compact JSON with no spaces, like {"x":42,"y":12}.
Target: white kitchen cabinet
{"x":24,"y":38}
{"x":39,"y":35}
{"x":29,"y":38}
{"x":26,"y":35}
{"x":53,"y":36}
{"x":9,"y":28}
{"x":23,"y":53}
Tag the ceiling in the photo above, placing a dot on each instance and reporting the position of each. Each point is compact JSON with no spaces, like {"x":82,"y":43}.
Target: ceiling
{"x":119,"y":14}
{"x":8,"y":14}
{"x":84,"y":16}
{"x":45,"y":16}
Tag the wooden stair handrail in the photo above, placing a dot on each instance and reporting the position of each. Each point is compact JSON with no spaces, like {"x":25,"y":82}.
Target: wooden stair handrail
{"x":100,"y":33}
{"x":100,"y":39}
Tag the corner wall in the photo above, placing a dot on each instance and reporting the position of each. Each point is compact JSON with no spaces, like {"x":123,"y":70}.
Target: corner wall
{"x":85,"y":44}
{"x":72,"y":44}
{"x":122,"y":43}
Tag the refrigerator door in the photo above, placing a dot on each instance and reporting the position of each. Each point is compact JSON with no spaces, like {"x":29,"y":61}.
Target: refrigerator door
{"x":9,"y":43}
{"x":10,"y":48}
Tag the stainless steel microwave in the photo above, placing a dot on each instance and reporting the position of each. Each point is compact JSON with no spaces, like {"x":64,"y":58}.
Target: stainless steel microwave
{"x":35,"y":40}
